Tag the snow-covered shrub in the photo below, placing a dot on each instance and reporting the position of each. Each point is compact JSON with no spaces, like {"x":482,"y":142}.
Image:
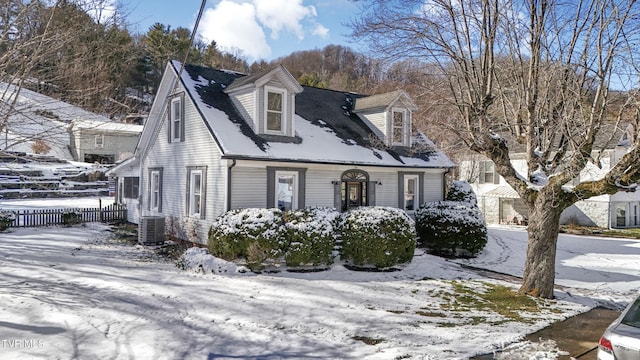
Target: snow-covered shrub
{"x":461,"y":191}
{"x":198,"y":259}
{"x":451,"y":228}
{"x":310,"y":234}
{"x":378,"y":237}
{"x":6,"y":218}
{"x":253,"y":234}
{"x":71,"y":217}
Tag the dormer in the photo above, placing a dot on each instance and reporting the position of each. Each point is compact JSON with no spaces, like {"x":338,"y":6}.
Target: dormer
{"x":266,"y":101}
{"x":388,"y":115}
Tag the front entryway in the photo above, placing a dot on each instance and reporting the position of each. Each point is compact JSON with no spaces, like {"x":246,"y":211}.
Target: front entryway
{"x":354,"y":189}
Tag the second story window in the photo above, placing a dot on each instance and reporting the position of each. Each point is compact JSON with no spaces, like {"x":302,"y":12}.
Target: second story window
{"x":274,"y":111}
{"x":397,"y":128}
{"x":99,"y":141}
{"x":488,"y":174}
{"x":176,"y":119}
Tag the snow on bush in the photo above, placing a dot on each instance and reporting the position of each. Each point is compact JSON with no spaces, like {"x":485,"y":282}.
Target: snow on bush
{"x":270,"y":236}
{"x":253,"y":234}
{"x":377,"y":237}
{"x":451,"y":228}
{"x":310,"y":234}
{"x":199,"y":259}
{"x":6,"y":218}
{"x":461,"y":191}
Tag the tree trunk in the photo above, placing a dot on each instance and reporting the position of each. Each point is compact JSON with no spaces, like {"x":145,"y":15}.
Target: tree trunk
{"x":539,"y":268}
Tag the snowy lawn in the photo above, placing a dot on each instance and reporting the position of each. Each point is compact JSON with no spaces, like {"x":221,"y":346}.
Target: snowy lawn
{"x":79,"y":293}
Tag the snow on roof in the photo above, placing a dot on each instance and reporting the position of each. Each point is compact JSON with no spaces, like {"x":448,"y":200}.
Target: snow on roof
{"x":108,"y":126}
{"x":325,"y":133}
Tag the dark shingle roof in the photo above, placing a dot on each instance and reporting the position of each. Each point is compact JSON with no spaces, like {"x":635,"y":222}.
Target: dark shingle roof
{"x":325,"y":110}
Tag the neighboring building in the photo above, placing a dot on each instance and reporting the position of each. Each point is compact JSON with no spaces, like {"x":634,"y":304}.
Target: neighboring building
{"x":500,"y":203}
{"x":104,"y":142}
{"x":217,"y":140}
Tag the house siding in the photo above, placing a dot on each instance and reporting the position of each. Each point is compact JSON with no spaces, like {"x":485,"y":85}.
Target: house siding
{"x":249,"y":179}
{"x":377,"y":121}
{"x":248,"y":187}
{"x":245,"y":104}
{"x":198,"y":150}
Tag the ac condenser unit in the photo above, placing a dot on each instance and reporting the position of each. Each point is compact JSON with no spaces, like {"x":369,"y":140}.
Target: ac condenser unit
{"x":151,"y":230}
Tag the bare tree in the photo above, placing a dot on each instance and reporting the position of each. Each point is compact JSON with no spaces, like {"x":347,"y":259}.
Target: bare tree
{"x":537,"y":74}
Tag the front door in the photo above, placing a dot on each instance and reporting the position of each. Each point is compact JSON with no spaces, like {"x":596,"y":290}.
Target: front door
{"x":354,"y":195}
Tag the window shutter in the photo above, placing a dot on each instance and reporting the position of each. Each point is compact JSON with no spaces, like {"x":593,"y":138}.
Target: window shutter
{"x":496,"y":176}
{"x":271,"y":187}
{"x":189,"y":190}
{"x":302,"y":184}
{"x":337,"y":196}
{"x":203,"y":194}
{"x":371,"y":193}
{"x":400,"y":190}
{"x":168,"y":118}
{"x":183,"y":117}
{"x":160,"y":191}
{"x":481,"y":178}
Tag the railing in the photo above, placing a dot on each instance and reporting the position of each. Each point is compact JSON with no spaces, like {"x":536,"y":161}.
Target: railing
{"x":67,"y":216}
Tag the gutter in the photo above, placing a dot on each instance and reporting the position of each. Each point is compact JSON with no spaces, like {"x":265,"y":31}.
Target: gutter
{"x":233,"y":164}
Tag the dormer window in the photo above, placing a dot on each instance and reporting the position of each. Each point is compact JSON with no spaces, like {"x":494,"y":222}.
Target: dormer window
{"x":274,"y":109}
{"x":398,"y":127}
{"x":266,"y":101}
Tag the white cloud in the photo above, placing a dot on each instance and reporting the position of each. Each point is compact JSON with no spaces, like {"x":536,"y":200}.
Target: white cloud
{"x":321,"y":31}
{"x":241,"y":24}
{"x":234,"y":26}
{"x":279,"y":15}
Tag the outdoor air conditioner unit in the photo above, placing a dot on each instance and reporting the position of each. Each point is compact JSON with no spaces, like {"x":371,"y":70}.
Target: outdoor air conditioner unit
{"x":151,"y":230}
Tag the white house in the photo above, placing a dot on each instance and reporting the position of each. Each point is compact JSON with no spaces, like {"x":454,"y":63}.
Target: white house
{"x":501,"y":204}
{"x":217,"y":140}
{"x":102,"y":141}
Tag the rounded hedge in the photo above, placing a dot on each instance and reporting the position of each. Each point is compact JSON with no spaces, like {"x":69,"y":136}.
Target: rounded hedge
{"x":461,"y":191}
{"x":310,"y":235}
{"x":377,"y":237}
{"x":451,"y":228}
{"x":254,"y":234}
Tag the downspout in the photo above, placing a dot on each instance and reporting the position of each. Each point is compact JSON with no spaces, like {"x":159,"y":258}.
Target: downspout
{"x":233,"y":164}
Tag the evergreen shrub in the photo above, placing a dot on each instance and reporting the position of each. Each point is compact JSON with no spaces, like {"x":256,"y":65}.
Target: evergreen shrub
{"x":377,"y":237}
{"x":253,"y":234}
{"x":451,"y":228}
{"x":310,"y":235}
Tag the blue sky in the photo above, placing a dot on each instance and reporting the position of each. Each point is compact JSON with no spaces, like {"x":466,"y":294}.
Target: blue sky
{"x":256,"y":29}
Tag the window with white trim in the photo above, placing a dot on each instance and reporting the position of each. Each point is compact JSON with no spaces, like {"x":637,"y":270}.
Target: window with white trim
{"x":286,"y":192}
{"x":398,"y":126}
{"x":195,"y":192}
{"x":275,"y":110}
{"x":155,"y":198}
{"x":99,"y":141}
{"x":411,"y":192}
{"x":176,"y":118}
{"x":488,"y":173}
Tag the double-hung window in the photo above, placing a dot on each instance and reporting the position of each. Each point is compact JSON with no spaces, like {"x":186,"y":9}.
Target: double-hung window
{"x":195,"y":193}
{"x":155,"y":190}
{"x":286,"y":190}
{"x":274,"y":109}
{"x":131,"y":187}
{"x":99,"y":141}
{"x":176,"y":118}
{"x":488,"y":174}
{"x":411,"y":192}
{"x":398,"y":127}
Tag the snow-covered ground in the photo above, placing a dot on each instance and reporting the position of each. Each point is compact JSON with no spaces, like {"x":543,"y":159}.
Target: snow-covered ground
{"x":79,"y":293}
{"x":58,"y":203}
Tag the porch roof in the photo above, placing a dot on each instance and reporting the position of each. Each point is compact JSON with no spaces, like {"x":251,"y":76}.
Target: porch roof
{"x":504,"y":191}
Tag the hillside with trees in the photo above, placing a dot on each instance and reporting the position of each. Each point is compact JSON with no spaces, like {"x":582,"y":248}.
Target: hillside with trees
{"x":95,"y":62}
